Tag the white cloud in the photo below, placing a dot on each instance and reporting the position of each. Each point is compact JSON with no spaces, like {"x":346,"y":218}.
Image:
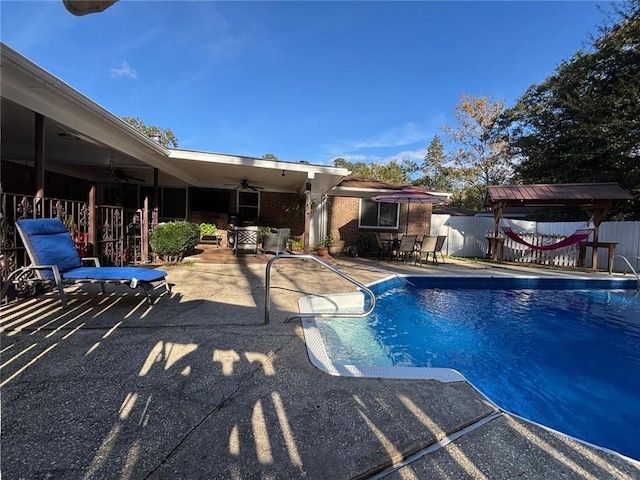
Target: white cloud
{"x":406,"y":134}
{"x":415,"y":155}
{"x":124,"y":70}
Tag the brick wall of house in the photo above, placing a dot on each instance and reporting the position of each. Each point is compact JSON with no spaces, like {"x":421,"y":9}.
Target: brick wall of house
{"x":272,"y":211}
{"x":343,"y":223}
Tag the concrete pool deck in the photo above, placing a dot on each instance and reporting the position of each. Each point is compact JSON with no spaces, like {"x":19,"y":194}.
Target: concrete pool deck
{"x":197,"y":387}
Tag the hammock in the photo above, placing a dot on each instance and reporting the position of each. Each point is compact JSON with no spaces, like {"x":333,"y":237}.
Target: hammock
{"x":576,"y":237}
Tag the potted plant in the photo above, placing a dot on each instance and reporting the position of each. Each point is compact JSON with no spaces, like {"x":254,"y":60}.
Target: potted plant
{"x":209,"y":233}
{"x":296,"y":244}
{"x":323,"y":246}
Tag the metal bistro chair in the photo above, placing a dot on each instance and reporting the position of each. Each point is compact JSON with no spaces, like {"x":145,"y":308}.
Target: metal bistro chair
{"x":383,"y":244}
{"x":438,"y":249}
{"x":426,"y":247}
{"x":407,"y":247}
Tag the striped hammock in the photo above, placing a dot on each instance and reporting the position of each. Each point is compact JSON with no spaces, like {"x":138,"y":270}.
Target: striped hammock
{"x":573,"y":239}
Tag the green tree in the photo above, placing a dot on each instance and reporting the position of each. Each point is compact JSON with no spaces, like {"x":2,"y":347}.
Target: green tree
{"x":165,"y":135}
{"x":482,"y":157}
{"x":270,"y":156}
{"x":358,"y":169}
{"x":392,"y":171}
{"x":582,"y":124}
{"x":436,"y":173}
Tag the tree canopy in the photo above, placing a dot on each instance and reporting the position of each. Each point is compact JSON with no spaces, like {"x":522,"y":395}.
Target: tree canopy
{"x":393,"y":171}
{"x":582,"y":124}
{"x":165,"y":135}
{"x":481,"y":155}
{"x":436,"y":172}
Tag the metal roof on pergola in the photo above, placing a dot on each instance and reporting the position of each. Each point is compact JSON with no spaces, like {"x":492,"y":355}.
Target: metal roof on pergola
{"x":597,"y":199}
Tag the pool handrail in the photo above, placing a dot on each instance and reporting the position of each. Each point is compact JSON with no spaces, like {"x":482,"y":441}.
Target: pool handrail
{"x":627,"y":264}
{"x":301,"y":315}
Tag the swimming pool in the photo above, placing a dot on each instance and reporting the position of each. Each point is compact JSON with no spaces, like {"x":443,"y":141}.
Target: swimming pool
{"x":563,"y":352}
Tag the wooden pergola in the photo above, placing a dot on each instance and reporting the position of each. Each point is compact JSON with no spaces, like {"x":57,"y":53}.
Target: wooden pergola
{"x":597,"y":199}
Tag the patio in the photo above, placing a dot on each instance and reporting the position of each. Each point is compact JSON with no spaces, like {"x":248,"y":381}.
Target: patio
{"x":197,"y":387}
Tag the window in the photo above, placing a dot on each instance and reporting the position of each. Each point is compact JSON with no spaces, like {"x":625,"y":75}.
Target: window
{"x":172,"y":202}
{"x":210,"y":200}
{"x":248,"y":207}
{"x":378,"y":214}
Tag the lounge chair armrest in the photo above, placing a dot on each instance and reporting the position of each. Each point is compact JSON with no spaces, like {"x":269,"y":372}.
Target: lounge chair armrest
{"x":54,"y":269}
{"x":94,"y":260}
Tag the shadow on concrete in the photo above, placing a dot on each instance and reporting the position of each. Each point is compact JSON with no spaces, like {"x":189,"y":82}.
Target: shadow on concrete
{"x":197,"y":387}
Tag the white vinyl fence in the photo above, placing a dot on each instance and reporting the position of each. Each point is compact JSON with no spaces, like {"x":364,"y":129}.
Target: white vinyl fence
{"x":466,"y":237}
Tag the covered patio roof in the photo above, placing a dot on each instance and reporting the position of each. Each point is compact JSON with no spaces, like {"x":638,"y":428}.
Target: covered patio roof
{"x":83,"y":140}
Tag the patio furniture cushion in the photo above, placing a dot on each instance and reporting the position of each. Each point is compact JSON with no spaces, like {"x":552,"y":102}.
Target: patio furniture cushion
{"x":51,"y":244}
{"x":114,"y":274}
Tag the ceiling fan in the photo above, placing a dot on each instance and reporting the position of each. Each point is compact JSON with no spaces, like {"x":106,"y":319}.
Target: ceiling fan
{"x":121,"y":175}
{"x":124,"y":177}
{"x":244,"y":185}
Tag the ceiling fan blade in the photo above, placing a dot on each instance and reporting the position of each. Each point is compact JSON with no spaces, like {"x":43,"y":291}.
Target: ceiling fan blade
{"x":244,"y":185}
{"x":124,"y":176}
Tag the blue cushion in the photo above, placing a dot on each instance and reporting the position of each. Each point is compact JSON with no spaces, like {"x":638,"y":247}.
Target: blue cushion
{"x":115,"y":274}
{"x":50,"y":243}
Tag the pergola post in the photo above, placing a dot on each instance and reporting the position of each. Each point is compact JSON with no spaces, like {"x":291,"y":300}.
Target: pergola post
{"x":597,"y":214}
{"x":498,"y":210}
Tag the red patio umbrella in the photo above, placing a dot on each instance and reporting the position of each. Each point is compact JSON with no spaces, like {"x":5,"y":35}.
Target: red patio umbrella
{"x":409,"y":196}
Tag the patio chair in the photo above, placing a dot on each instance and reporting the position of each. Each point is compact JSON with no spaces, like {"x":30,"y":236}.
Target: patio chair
{"x":407,"y":247}
{"x":245,"y":240}
{"x":54,"y":258}
{"x":438,"y":249}
{"x":384,"y":245}
{"x":426,"y":247}
{"x":276,"y":242}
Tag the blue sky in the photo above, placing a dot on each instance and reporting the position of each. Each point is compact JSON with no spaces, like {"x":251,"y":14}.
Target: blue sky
{"x":367,"y":81}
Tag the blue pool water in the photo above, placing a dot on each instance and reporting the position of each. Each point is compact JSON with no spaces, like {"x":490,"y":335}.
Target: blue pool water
{"x":552,"y":351}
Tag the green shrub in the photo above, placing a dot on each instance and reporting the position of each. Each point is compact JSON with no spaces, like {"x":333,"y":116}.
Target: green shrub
{"x":208,"y":229}
{"x":171,"y":241}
